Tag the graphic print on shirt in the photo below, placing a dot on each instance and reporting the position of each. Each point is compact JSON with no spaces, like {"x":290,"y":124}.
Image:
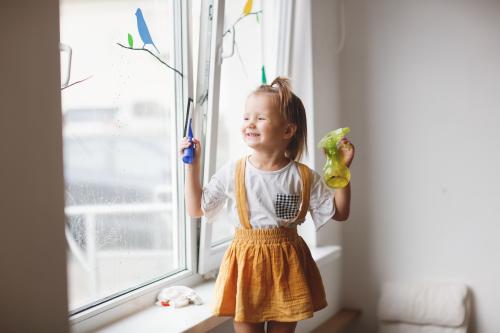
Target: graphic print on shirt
{"x":286,"y":206}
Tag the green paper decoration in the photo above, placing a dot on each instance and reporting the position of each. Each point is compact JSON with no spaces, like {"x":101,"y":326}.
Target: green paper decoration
{"x":130,"y":41}
{"x":264,"y":79}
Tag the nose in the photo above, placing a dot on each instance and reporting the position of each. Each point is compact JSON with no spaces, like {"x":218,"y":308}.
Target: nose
{"x":250,"y":123}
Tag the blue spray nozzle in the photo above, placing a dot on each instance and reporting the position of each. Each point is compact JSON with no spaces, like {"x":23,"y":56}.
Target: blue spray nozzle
{"x":188,"y":156}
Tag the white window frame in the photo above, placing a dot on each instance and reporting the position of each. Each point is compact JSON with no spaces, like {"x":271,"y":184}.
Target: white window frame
{"x":205,"y":117}
{"x":212,"y":24}
{"x":210,"y":256}
{"x":102,"y":314}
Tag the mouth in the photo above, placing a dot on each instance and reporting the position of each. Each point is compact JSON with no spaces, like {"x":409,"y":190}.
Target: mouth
{"x":252,"y":134}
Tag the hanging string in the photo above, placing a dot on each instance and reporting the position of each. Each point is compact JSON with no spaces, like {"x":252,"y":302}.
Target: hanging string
{"x":263,"y":78}
{"x":241,"y":60}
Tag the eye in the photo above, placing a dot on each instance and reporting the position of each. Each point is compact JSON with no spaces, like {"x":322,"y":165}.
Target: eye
{"x":262,"y":118}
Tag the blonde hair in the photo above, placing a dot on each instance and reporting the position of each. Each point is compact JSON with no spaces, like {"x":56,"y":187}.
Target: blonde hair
{"x":292,"y":110}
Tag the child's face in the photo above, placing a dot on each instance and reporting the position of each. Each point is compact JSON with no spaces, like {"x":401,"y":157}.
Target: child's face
{"x":263,"y":126}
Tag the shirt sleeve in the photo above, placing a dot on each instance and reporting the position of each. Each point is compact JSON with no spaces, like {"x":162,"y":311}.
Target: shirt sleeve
{"x":321,"y":205}
{"x":214,"y":193}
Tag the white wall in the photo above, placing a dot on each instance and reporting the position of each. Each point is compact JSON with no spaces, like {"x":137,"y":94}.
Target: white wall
{"x":419,"y":86}
{"x":314,"y":74}
{"x":32,"y":247}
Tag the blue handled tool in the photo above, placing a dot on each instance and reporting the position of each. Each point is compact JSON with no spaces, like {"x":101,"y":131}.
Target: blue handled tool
{"x":188,"y":156}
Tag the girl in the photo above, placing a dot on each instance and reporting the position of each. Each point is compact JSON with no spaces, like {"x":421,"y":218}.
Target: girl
{"x":268,"y":273}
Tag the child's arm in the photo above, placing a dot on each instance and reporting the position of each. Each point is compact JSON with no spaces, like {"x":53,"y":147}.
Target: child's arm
{"x":193,"y":185}
{"x":342,"y":196}
{"x":342,"y":201}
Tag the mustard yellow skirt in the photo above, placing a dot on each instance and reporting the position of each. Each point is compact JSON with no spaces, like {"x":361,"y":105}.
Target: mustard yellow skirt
{"x":268,"y":274}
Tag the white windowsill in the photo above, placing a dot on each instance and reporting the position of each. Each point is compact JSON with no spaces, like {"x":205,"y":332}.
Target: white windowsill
{"x":193,"y":318}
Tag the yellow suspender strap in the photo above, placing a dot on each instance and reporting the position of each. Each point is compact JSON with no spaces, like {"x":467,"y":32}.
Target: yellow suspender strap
{"x":305,"y":176}
{"x":241,"y":196}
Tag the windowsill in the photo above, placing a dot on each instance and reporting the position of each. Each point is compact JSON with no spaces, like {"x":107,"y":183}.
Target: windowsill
{"x":194,"y":318}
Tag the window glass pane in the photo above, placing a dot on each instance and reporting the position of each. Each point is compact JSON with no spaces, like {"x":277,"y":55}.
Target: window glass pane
{"x":255,"y":47}
{"x":119,"y":145}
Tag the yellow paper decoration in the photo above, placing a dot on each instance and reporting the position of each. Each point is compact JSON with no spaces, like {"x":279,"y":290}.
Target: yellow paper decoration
{"x":248,"y":7}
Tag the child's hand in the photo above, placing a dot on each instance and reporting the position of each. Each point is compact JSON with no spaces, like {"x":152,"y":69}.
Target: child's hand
{"x":186,"y":144}
{"x":346,"y":151}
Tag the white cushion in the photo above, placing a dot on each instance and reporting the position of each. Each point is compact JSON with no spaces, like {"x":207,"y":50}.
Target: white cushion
{"x":436,"y":304}
{"x":409,"y":328}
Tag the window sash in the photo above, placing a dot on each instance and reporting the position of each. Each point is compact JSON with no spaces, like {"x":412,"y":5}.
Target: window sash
{"x":114,"y":306}
{"x":209,"y":59}
{"x":210,"y":255}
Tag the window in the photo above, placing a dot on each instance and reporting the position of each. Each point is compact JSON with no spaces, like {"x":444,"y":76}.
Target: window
{"x":254,"y":39}
{"x":125,"y":83}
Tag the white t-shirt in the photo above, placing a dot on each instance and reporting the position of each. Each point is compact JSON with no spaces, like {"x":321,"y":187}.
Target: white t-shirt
{"x":273,"y":197}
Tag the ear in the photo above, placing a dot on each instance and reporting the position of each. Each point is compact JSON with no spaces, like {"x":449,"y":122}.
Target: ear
{"x":290,"y":130}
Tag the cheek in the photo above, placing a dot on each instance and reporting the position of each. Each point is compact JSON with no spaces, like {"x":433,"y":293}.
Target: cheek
{"x":271,"y":128}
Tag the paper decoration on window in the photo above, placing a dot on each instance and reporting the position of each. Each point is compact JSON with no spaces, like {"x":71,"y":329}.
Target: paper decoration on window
{"x":143,"y":30}
{"x":130,"y":41}
{"x":146,"y":39}
{"x":248,"y":7}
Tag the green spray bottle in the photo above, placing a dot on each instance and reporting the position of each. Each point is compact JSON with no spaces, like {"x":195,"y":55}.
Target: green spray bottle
{"x":335,"y":173}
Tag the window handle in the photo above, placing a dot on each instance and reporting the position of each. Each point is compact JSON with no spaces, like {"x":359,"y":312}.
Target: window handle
{"x":66,"y":48}
{"x":233,"y":38}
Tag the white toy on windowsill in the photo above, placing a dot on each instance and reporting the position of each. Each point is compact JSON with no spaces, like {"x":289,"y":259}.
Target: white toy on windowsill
{"x":178,"y":296}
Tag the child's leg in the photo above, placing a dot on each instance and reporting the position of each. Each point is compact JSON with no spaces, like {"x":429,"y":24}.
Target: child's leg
{"x":281,"y":327}
{"x":241,"y":327}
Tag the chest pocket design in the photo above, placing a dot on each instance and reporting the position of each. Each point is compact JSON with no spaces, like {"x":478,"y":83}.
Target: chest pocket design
{"x":286,"y":206}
